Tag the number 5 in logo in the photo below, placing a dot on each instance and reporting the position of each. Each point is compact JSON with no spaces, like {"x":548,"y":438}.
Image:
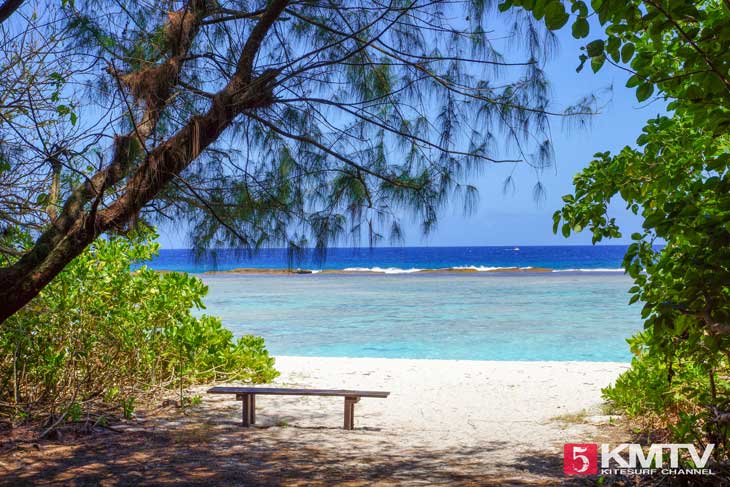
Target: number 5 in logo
{"x":580,"y":459}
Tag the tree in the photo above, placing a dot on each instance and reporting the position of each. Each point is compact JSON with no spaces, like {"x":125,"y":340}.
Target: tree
{"x":677,"y":179}
{"x":8,"y":7}
{"x":266,"y":122}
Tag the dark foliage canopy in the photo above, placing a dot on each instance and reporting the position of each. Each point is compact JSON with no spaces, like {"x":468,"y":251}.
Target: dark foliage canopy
{"x":290,"y":123}
{"x":677,"y":178}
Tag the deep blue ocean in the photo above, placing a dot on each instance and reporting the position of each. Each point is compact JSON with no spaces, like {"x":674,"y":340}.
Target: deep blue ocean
{"x":400,"y":259}
{"x":578,"y":312}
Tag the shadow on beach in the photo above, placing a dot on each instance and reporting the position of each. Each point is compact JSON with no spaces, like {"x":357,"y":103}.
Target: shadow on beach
{"x":227,"y":455}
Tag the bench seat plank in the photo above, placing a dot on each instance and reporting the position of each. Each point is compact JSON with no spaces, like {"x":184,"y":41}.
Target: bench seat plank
{"x":274,"y":391}
{"x":247,"y":395}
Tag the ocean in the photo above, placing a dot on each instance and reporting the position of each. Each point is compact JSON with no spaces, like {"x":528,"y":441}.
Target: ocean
{"x":402,"y":259}
{"x":577,"y":312}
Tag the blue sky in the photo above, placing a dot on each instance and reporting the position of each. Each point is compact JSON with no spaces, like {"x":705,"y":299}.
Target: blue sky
{"x":516,"y":218}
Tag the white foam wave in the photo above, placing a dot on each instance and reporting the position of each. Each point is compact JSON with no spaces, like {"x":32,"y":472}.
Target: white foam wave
{"x":482,"y":268}
{"x":382,"y":270}
{"x":620,"y":269}
{"x":398,"y":270}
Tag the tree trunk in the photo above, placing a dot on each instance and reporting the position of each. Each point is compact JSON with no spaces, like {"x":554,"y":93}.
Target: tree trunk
{"x":23,"y":280}
{"x":80,"y":223}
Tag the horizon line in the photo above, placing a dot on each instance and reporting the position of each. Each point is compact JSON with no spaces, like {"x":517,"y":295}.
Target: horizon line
{"x":511,"y":246}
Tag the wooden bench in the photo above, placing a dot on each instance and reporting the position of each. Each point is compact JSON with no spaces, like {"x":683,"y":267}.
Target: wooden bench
{"x":247,"y":395}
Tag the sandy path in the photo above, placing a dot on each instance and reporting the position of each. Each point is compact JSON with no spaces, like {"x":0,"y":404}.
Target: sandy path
{"x":449,"y":403}
{"x":445,"y":423}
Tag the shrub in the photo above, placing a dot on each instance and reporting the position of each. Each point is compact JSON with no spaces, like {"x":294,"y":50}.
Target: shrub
{"x":102,"y":334}
{"x":676,"y":393}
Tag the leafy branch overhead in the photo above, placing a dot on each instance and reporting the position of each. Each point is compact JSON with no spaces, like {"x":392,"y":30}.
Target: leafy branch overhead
{"x":677,"y":176}
{"x":677,"y":179}
{"x":256,"y":123}
{"x":678,"y":48}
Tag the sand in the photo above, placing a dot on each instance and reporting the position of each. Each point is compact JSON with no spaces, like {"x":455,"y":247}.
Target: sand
{"x":449,"y":403}
{"x":445,"y":423}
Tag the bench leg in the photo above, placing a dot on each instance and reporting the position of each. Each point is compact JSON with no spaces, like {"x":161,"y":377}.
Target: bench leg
{"x":350,"y":412}
{"x":248,"y":413}
{"x":252,"y":409}
{"x":246,"y":416}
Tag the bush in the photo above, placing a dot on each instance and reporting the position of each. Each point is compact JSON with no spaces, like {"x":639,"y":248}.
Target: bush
{"x":676,"y":393}
{"x":102,"y":334}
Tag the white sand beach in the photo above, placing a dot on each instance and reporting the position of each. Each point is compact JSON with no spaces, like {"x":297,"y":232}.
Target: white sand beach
{"x":470,"y":418}
{"x":448,"y":402}
{"x":460,"y":423}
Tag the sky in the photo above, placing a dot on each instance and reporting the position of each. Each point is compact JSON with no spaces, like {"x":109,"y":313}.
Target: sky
{"x":516,"y":218}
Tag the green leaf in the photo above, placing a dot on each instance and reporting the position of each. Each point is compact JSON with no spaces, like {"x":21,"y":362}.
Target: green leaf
{"x":597,"y":62}
{"x":595,"y":48}
{"x":539,"y":9}
{"x":627,"y":52}
{"x":580,"y":28}
{"x":566,"y":230}
{"x":503,"y":7}
{"x":612,"y":47}
{"x":580,"y":7}
{"x":556,"y":221}
{"x":555,"y":15}
{"x":644,"y":91}
{"x":694,"y":92}
{"x":634,"y":80}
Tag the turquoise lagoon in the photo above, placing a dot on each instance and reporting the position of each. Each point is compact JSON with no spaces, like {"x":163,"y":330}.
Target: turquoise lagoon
{"x":581,"y":316}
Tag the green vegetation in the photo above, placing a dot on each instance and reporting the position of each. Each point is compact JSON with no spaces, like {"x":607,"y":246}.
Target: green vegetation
{"x":258,"y":123}
{"x":671,"y":394}
{"x":253,"y":124}
{"x":677,"y":178}
{"x":101,"y":336}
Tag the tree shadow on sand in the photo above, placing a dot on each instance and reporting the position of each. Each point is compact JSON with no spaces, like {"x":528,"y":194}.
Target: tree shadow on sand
{"x":225,"y":454}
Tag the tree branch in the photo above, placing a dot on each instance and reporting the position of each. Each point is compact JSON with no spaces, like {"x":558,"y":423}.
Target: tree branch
{"x":7,"y":9}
